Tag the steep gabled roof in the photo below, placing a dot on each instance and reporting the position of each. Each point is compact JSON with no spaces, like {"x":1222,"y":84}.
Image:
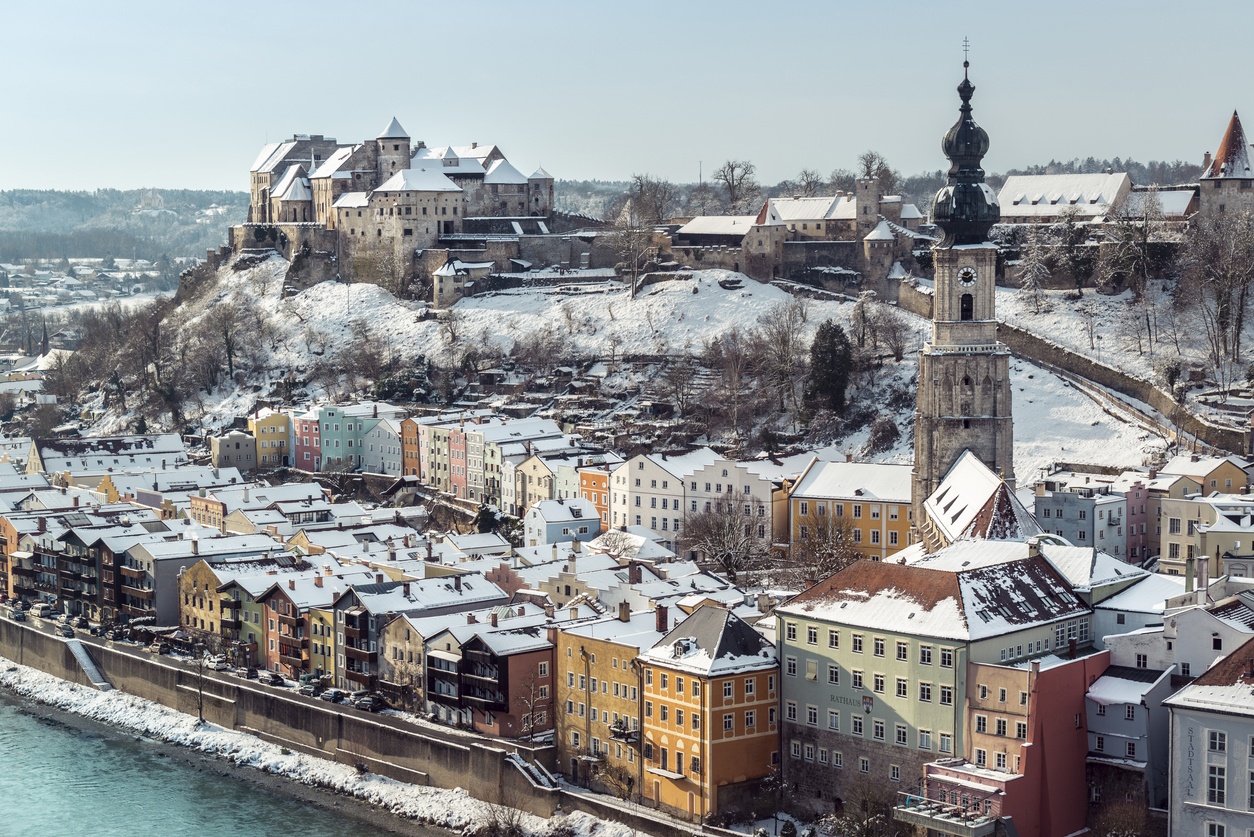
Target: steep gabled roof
{"x":1002,"y":518}
{"x":393,"y":131}
{"x":419,"y":180}
{"x":713,"y":642}
{"x":972,"y":501}
{"x":502,"y":172}
{"x":1233,"y":157}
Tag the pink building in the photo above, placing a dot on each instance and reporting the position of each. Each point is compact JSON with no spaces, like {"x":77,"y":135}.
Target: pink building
{"x":1038,"y":780}
{"x":307,"y":444}
{"x":457,"y":461}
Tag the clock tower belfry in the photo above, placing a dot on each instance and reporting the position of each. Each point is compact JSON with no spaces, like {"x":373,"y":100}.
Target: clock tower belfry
{"x":964,"y":372}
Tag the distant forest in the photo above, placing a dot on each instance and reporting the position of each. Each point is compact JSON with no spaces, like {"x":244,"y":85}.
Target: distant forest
{"x":136,"y":223}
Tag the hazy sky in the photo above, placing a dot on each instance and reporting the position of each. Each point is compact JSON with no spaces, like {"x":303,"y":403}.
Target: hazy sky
{"x":184,"y":94}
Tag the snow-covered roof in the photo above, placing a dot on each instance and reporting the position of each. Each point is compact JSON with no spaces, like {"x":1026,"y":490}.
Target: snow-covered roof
{"x":393,"y":131}
{"x":1190,"y":465}
{"x":1149,"y":595}
{"x":969,"y":591}
{"x":1225,"y":687}
{"x":437,"y":592}
{"x":564,"y":511}
{"x":684,"y":464}
{"x":331,"y":165}
{"x":1172,"y":203}
{"x":540,"y":174}
{"x":910,"y":212}
{"x":352,"y":200}
{"x":293,"y":186}
{"x":422,"y":179}
{"x":449,"y":161}
{"x":973,"y":501}
{"x":803,"y":209}
{"x":882,"y":232}
{"x":713,"y":642}
{"x":1121,"y":685}
{"x":855,"y":480}
{"x":718,"y":225}
{"x":500,"y":171}
{"x":1049,"y":194}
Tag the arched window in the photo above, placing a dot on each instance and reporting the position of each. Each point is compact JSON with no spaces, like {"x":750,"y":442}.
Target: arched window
{"x":968,"y":307}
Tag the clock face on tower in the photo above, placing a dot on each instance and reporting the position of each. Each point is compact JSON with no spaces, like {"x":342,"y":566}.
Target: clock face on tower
{"x":967,"y":276}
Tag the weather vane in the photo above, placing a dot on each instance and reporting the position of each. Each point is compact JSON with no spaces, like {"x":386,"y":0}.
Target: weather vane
{"x":965,"y":46}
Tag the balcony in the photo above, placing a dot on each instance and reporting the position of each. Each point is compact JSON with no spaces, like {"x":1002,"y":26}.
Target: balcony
{"x":359,"y":654}
{"x":291,"y":621}
{"x":291,"y":655}
{"x":353,"y":632}
{"x":231,"y":623}
{"x":137,"y":593}
{"x":133,"y":610}
{"x":359,"y":677}
{"x":22,"y":572}
{"x":942,"y":818}
{"x":133,"y":572}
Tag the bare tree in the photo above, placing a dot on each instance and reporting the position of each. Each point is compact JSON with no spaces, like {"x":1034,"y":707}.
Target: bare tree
{"x":654,"y":197}
{"x":1218,"y":262}
{"x":1033,"y":270}
{"x":731,"y":355}
{"x":825,"y":546}
{"x":873,"y":165}
{"x":781,"y":350}
{"x":809,"y":183}
{"x":679,"y":376}
{"x":740,"y":188}
{"x":726,"y":534}
{"x":631,"y":239}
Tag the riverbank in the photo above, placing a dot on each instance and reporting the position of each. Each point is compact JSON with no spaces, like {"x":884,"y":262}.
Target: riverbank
{"x":383,"y":803}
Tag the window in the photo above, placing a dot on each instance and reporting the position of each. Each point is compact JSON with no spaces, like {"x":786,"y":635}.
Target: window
{"x":1217,"y":643}
{"x":750,"y":685}
{"x":1021,"y":730}
{"x":1129,"y":713}
{"x":727,"y":689}
{"x":1001,"y":693}
{"x":877,"y":729}
{"x":947,"y":658}
{"x":857,"y":643}
{"x":1216,"y":784}
{"x":833,"y":720}
{"x":751,"y":718}
{"x":795,"y":749}
{"x":864,"y":765}
{"x":894,"y":773}
{"x":900,"y":734}
{"x":1218,"y":741}
{"x":981,"y":758}
{"x":856,"y":679}
{"x":981,"y":723}
{"x":833,"y":674}
{"x":790,"y":710}
{"x":790,"y":631}
{"x":855,"y":722}
{"x":812,"y":716}
{"x":1131,"y":749}
{"x":1100,"y":744}
{"x":925,"y":655}
{"x":544,"y":669}
{"x":1000,"y":726}
{"x":729,"y":721}
{"x":812,"y":635}
{"x":946,"y":743}
{"x":1000,"y":761}
{"x":790,"y":666}
{"x":879,"y":647}
{"x":947,"y":695}
{"x":925,"y":739}
{"x":833,"y":639}
{"x":879,"y":684}
{"x":925,"y":692}
{"x":903,"y":651}
{"x":903,"y":687}
{"x":809,"y":752}
{"x":1215,"y":829}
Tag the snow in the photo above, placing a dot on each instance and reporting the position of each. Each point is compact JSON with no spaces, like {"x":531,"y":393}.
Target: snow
{"x":1109,"y":690}
{"x":454,"y":809}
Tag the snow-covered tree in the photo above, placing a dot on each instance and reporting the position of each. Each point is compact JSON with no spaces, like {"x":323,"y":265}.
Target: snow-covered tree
{"x":1033,"y":270}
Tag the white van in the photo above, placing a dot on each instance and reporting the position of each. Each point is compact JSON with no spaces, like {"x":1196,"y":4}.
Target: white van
{"x":41,"y":609}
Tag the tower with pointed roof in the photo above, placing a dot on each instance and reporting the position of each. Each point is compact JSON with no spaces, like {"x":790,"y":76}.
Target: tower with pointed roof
{"x":1227,"y":183}
{"x":964,"y":372}
{"x":393,"y":150}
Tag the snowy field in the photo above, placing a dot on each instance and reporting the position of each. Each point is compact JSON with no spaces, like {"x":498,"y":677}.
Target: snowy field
{"x":453,"y":809}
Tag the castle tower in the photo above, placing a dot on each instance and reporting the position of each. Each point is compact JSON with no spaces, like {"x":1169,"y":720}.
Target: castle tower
{"x":964,"y":373}
{"x":1227,"y":181}
{"x":393,"y":148}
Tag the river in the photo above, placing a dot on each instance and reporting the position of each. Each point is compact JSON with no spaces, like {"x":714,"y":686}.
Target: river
{"x":65,"y":776}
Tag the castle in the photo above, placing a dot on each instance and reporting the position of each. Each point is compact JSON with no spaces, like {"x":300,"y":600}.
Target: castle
{"x":371,"y":208}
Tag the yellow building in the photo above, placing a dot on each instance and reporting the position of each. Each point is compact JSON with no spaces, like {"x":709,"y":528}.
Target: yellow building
{"x":710,"y":695}
{"x":273,"y":432}
{"x":598,"y":700}
{"x":866,"y":502}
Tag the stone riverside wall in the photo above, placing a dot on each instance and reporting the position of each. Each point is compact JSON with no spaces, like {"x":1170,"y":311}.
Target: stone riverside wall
{"x":344,"y":735}
{"x":1037,"y":349}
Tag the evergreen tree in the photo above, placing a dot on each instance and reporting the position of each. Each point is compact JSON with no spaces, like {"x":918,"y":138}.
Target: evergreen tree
{"x":831,"y":361}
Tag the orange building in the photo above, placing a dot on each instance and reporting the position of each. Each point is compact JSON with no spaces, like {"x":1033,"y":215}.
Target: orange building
{"x":594,"y":486}
{"x":869,"y":503}
{"x":410,"y":447}
{"x":710,"y":702}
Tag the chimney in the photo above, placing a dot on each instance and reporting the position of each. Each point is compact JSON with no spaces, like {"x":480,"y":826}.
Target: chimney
{"x":405,"y":589}
{"x":430,"y":551}
{"x":1034,"y":547}
{"x":1203,"y":578}
{"x":1193,"y":457}
{"x":317,"y":581}
{"x":634,"y":573}
{"x":457,"y":583}
{"x":43,"y":525}
{"x":470,"y":619}
{"x":1071,"y":649}
{"x":195,"y":546}
{"x":659,"y":614}
{"x":493,"y":618}
{"x":1206,"y":161}
{"x":75,"y":501}
{"x":849,"y":457}
{"x":245,"y":494}
{"x":326,"y":569}
{"x":1189,"y":570}
{"x":291,"y":584}
{"x":548,"y":611}
{"x":1153,"y":473}
{"x":554,"y":551}
{"x":378,"y":578}
{"x":624,"y":612}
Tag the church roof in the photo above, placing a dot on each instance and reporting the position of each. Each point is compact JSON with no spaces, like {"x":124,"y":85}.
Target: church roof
{"x":419,"y":180}
{"x":1233,"y":157}
{"x":973,"y":502}
{"x":540,"y":174}
{"x":393,"y":131}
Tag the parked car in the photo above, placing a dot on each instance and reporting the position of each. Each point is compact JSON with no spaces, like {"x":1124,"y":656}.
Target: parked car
{"x":155,"y":648}
{"x":311,"y":689}
{"x":249,"y":673}
{"x":370,"y":703}
{"x":270,"y":678}
{"x":42,"y":609}
{"x":18,"y":615}
{"x":66,"y":631}
{"x":334,"y":695}
{"x":79,"y":622}
{"x":216,"y":663}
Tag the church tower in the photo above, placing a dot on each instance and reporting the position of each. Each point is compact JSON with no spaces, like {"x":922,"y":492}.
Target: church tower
{"x":964,"y":373}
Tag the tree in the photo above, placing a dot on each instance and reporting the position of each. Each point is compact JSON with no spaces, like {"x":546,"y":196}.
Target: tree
{"x":740,"y":188}
{"x":826,"y":548}
{"x":1033,"y":270}
{"x":780,"y":352}
{"x":831,"y":361}
{"x":871,"y":164}
{"x":1077,"y":256}
{"x":842,"y":180}
{"x":631,"y":239}
{"x":868,"y":812}
{"x":655,"y":198}
{"x":1218,"y":271}
{"x":724,"y":534}
{"x":679,"y":376}
{"x":731,"y":355}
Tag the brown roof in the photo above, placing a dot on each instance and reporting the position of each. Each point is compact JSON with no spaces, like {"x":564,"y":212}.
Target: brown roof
{"x":927,"y":587}
{"x":1233,"y":157}
{"x":1234,"y":669}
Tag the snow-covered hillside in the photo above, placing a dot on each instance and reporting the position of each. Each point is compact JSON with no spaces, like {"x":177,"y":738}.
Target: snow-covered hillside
{"x":600,"y":321}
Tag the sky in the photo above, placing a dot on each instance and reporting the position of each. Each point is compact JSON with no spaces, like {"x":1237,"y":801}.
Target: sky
{"x":184,"y":95}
